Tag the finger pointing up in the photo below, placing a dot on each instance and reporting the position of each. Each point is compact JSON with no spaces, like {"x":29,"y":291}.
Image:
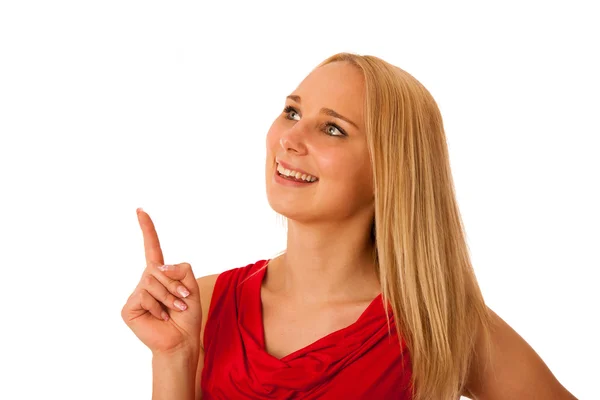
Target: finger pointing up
{"x":154,"y":255}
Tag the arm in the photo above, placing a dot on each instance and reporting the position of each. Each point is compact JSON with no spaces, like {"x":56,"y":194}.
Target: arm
{"x":173,"y":375}
{"x":207,"y":286}
{"x":514,"y":370}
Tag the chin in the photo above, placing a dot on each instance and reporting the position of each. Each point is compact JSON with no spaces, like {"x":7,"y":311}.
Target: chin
{"x":282,"y":206}
{"x":290,"y":209}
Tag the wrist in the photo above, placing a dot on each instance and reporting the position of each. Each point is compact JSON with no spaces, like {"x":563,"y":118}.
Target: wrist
{"x":174,"y":374}
{"x":181,"y":353}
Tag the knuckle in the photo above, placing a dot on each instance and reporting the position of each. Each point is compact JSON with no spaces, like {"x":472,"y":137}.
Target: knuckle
{"x":147,"y":280}
{"x":186,"y":266}
{"x":130,"y":299}
{"x":144,"y":296}
{"x":148,"y":302}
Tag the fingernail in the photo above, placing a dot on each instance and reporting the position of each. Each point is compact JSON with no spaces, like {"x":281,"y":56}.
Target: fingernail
{"x":164,"y":316}
{"x":139,"y":209}
{"x":180,"y":304}
{"x":166,"y":268}
{"x":183,"y":291}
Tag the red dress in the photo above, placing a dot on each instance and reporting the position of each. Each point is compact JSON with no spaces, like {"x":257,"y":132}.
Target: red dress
{"x":361,"y":361}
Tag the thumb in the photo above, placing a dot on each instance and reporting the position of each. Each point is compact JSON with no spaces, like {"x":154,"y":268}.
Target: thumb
{"x":183,"y":273}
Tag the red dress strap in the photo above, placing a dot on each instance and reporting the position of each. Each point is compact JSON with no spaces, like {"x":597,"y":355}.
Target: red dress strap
{"x":361,"y":361}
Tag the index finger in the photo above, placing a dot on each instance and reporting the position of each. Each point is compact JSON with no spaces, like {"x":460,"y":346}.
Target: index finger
{"x":154,"y":255}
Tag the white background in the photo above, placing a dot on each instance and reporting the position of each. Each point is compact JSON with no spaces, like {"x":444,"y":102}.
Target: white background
{"x":108,"y":106}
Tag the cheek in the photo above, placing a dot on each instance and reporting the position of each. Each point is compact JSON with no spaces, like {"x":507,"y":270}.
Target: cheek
{"x":364,"y":174}
{"x":272,"y":144}
{"x":340,"y":164}
{"x":273,"y":136}
{"x":331,"y":163}
{"x":351,"y":169}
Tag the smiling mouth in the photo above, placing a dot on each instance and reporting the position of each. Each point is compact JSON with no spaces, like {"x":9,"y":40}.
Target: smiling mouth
{"x":294,"y":175}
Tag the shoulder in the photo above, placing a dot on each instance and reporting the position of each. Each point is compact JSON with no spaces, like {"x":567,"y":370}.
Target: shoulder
{"x":206,"y":286}
{"x":208,"y":283}
{"x":506,"y":366}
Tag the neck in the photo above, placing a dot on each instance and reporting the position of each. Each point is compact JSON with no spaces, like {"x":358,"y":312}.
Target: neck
{"x":326,"y":262}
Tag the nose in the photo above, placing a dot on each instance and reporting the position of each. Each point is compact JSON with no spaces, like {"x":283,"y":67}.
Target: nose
{"x":292,"y":141}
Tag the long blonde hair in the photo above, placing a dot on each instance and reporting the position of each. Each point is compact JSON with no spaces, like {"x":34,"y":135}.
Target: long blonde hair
{"x":421,"y":253}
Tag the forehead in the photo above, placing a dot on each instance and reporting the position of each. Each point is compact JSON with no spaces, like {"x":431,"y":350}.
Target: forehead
{"x":339,"y":86}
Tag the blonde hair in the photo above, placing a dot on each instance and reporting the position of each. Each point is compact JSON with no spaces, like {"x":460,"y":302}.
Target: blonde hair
{"x":421,"y":252}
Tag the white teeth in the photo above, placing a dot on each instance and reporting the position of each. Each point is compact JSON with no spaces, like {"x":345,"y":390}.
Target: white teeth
{"x":294,"y":174}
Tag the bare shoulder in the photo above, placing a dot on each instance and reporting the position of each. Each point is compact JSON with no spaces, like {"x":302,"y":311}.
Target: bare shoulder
{"x":206,"y":285}
{"x":511,"y":369}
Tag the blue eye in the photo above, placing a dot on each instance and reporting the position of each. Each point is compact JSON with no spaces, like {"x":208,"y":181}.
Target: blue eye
{"x":288,"y":110}
{"x":327,"y":127}
{"x":330,"y":125}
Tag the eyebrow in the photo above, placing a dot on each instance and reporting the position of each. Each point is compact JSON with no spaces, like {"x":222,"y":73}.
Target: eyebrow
{"x":324,"y":110}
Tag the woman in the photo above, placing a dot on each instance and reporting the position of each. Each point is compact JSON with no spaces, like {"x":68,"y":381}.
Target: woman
{"x":358,"y":163}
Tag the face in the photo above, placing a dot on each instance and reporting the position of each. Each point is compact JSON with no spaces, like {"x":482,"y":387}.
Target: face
{"x":320,"y":137}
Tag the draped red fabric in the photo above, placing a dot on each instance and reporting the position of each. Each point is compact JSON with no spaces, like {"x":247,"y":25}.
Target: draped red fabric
{"x":361,"y":361}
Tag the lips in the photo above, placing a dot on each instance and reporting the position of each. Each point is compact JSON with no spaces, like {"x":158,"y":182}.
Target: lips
{"x":294,"y":169}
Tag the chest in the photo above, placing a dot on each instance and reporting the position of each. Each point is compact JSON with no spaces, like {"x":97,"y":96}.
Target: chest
{"x":290,"y":327}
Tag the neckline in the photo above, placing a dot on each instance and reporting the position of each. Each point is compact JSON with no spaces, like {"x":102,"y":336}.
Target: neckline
{"x":261,"y":334}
